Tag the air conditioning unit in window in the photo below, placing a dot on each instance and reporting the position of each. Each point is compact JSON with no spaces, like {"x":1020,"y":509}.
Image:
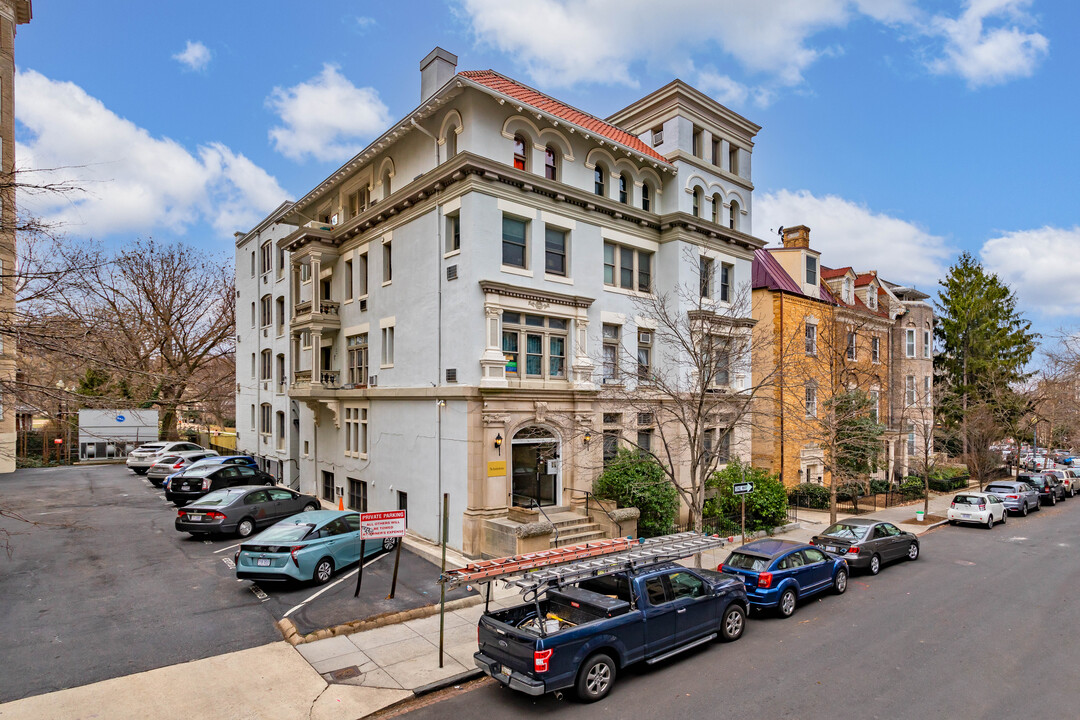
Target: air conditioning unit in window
{"x":363,"y":305}
{"x":644,"y":337}
{"x":373,"y":380}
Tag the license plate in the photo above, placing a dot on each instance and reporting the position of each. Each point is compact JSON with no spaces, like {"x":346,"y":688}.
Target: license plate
{"x":262,"y":562}
{"x":831,"y":548}
{"x":966,"y":515}
{"x":195,"y":518}
{"x":184,"y":486}
{"x":504,"y":671}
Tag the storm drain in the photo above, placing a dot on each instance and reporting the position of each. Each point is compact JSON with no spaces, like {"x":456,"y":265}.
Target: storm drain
{"x":346,"y":673}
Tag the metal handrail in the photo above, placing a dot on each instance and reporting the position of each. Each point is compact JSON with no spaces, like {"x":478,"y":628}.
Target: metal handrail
{"x":606,"y":512}
{"x":554,"y":529}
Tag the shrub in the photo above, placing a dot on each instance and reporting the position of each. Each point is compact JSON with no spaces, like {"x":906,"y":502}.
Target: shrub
{"x":912,"y":488}
{"x":949,"y":472}
{"x":632,"y":480}
{"x":766,"y":507}
{"x":880,"y":486}
{"x":810,"y":495}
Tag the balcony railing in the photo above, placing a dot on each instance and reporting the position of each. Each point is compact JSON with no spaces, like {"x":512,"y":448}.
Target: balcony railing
{"x":325,"y":308}
{"x":327,"y":378}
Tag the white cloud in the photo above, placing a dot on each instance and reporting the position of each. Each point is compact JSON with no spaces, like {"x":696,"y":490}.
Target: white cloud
{"x":989,"y":55}
{"x":1040,"y":265}
{"x":325,"y":116}
{"x":721,"y":87}
{"x":132,"y":182}
{"x":363,"y":23}
{"x":196,"y":56}
{"x":847,"y":233}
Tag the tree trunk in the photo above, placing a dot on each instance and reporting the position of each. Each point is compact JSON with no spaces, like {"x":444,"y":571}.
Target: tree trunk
{"x":832,"y":498}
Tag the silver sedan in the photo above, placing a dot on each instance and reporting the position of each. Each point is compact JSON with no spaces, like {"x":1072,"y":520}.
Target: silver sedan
{"x":1019,"y":497}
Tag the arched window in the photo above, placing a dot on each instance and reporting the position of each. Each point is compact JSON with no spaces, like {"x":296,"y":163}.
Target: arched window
{"x":733,"y":223}
{"x":519,"y":152}
{"x":646,"y":200}
{"x":598,"y":180}
{"x":697,"y":202}
{"x":622,"y":188}
{"x":550,"y":171}
{"x":451,"y":143}
{"x":386,"y":184}
{"x":717,"y":203}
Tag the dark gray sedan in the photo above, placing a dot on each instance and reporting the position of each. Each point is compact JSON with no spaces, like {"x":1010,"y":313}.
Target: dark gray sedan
{"x":867,"y":543}
{"x":1019,"y":497}
{"x":242,"y":510}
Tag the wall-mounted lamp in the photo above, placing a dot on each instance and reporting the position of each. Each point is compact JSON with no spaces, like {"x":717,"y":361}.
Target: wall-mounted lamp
{"x":587,"y":437}
{"x":498,"y":443}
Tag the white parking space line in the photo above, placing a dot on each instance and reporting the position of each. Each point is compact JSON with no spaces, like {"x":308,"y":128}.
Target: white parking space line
{"x":263,"y":597}
{"x":226,"y":548}
{"x":229,"y":563}
{"x":336,"y":582}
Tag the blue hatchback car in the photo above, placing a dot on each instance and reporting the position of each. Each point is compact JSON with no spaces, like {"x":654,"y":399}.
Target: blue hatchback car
{"x":781,"y":573}
{"x":308,"y":546}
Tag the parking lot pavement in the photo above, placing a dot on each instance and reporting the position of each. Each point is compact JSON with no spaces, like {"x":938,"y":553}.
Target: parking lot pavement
{"x":105,"y":586}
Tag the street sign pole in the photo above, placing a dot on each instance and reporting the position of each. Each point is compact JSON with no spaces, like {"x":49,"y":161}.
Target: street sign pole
{"x":360,"y":573}
{"x":397,"y":561}
{"x":743,"y":498}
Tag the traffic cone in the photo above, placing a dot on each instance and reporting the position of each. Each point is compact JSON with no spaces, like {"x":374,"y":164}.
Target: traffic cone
{"x":341,"y":503}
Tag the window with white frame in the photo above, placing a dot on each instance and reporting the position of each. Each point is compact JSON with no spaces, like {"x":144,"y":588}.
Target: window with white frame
{"x":727,"y":275}
{"x":387,"y":347}
{"x":266,"y":416}
{"x":909,"y":390}
{"x":609,"y":368}
{"x":252,"y":263}
{"x":534,"y":346}
{"x":911,"y":439}
{"x":551,"y":169}
{"x":279,"y":424}
{"x":851,"y":351}
{"x":928,"y":390}
{"x":926,"y":345}
{"x":848,"y":291}
{"x":811,"y":401}
{"x":362,"y":275}
{"x":266,"y":308}
{"x":254,"y":366}
{"x":811,"y":270}
{"x":387,"y":262}
{"x":875,"y":402}
{"x":279,"y":375}
{"x":266,"y":365}
{"x":266,"y":258}
{"x":644,"y":356}
{"x":875,"y":349}
{"x":514,"y":242}
{"x":720,"y":365}
{"x":705,"y":276}
{"x":356,"y":202}
{"x":646,"y":200}
{"x":348,"y":280}
{"x":279,"y":307}
{"x":811,"y":339}
{"x":357,"y":353}
{"x":555,"y":251}
{"x":871,"y":297}
{"x":627,"y":267}
{"x":624,"y":195}
{"x":252,"y":314}
{"x":253,"y":417}
{"x":453,"y":232}
{"x":910,"y":342}
{"x":356,"y":431}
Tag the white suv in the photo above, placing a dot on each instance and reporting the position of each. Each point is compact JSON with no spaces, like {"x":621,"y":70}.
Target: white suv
{"x":141,"y":458}
{"x":1069,"y":480}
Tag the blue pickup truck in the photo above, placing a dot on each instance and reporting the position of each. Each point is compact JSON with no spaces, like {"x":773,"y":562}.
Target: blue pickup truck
{"x":581,"y":635}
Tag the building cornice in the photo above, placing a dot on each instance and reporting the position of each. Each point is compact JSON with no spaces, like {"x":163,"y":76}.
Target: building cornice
{"x":537,"y":296}
{"x":701,"y":164}
{"x":649,"y":109}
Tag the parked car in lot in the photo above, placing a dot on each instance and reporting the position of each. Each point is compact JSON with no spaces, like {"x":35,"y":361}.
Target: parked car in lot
{"x":1019,"y":497}
{"x":143,"y":457}
{"x":242,"y":510}
{"x":1069,"y":484}
{"x":781,"y":573}
{"x":866,"y":543}
{"x":1048,"y":487}
{"x":308,"y":546}
{"x":175,"y":462}
{"x":196,"y":482}
{"x":215,"y":459}
{"x":581,"y":635}
{"x":978,"y":508}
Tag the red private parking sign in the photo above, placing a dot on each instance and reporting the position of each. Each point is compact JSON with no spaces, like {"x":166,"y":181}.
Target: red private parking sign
{"x":376,"y":525}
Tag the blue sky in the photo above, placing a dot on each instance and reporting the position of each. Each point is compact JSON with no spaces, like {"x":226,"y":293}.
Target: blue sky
{"x":900,"y":131}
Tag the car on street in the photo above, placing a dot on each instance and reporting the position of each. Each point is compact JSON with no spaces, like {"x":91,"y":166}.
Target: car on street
{"x":198,"y":481}
{"x":977,"y":508}
{"x":174,"y":463}
{"x":1019,"y":497}
{"x":215,"y":459}
{"x":1049,"y":488}
{"x":781,"y":573}
{"x":242,"y":510}
{"x":866,"y":544}
{"x":308,"y":546}
{"x":143,"y":457}
{"x":1069,"y":484}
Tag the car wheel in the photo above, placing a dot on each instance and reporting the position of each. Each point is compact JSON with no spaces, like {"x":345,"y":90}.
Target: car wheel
{"x":323,"y":570}
{"x":1053,"y":499}
{"x":595,"y":678}
{"x":245,"y":527}
{"x":1072,"y":492}
{"x":1023,"y":509}
{"x":786,"y":606}
{"x":311,"y":507}
{"x":990,"y":522}
{"x":952,"y":522}
{"x":734,"y":623}
{"x":1004,"y":517}
{"x":389,"y":543}
{"x":875,"y":564}
{"x":913,"y":551}
{"x":1038,"y":504}
{"x":839,"y":582}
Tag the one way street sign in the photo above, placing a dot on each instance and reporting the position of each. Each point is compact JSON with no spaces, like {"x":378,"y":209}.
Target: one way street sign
{"x":743,"y":488}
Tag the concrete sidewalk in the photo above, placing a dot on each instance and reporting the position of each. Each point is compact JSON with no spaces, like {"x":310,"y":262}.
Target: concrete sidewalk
{"x":338,"y":678}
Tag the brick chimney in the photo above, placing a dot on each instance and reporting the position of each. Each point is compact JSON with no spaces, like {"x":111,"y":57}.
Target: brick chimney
{"x":797,"y":237}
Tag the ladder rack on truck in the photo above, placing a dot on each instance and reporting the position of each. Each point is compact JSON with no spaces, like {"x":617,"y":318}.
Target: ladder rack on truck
{"x":538,"y":570}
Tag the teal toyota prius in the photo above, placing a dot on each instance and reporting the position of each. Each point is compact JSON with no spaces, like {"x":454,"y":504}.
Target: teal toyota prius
{"x":308,"y":546}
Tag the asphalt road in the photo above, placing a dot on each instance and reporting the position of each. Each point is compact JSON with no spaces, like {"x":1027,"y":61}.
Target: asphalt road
{"x":985,"y":625}
{"x":105,"y":586}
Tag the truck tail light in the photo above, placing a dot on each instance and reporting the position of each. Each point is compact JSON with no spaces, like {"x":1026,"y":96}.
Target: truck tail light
{"x":540,"y":660}
{"x":764,"y":580}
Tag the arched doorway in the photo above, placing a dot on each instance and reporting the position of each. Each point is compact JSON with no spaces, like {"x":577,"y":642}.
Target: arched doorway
{"x":534,"y":456}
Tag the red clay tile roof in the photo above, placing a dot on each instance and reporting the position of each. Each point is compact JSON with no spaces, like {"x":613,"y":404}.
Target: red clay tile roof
{"x":830,"y":273}
{"x":540,"y":101}
{"x":865,"y":279}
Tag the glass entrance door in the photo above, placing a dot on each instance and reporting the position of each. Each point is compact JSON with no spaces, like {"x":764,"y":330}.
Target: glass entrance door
{"x":534,"y":456}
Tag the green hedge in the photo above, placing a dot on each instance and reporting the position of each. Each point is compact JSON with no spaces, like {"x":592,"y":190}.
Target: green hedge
{"x":949,"y":485}
{"x":809,"y":495}
{"x":766,"y":507}
{"x":632,"y":480}
{"x":913,"y":488}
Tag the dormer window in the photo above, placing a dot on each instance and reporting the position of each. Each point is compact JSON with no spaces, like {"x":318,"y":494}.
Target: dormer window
{"x":871,"y":298}
{"x":519,"y":152}
{"x":811,"y":270}
{"x":848,"y":291}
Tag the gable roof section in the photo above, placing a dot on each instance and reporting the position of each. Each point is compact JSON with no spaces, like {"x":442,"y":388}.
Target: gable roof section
{"x":766,"y":273}
{"x":865,"y":279}
{"x":540,"y":101}
{"x":828,"y":273}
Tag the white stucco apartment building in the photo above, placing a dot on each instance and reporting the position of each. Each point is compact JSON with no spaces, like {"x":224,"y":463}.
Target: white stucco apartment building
{"x":450,"y":290}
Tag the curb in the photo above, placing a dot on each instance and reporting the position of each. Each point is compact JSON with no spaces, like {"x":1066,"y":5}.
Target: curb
{"x":931,"y":527}
{"x":458,"y":679}
{"x":293,"y":637}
